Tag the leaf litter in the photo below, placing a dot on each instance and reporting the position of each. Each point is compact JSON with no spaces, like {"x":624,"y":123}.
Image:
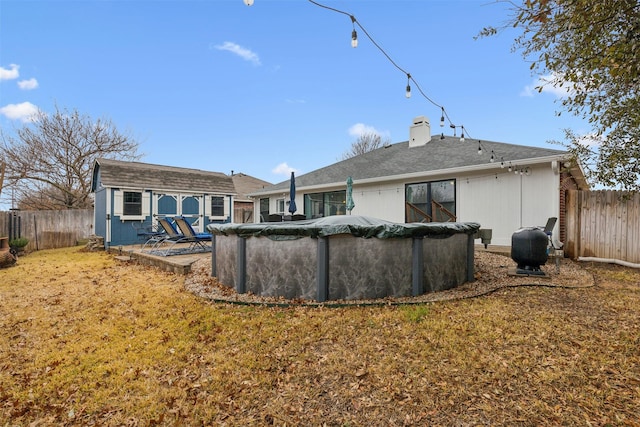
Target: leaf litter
{"x":87,"y":340}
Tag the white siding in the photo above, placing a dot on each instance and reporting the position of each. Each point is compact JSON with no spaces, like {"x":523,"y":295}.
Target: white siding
{"x":384,"y":201}
{"x":509,"y":202}
{"x":501,"y":201}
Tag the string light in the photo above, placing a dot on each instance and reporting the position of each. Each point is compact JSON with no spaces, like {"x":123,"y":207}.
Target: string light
{"x":354,"y":43}
{"x":408,"y":94}
{"x":509,"y":169}
{"x":354,"y":34}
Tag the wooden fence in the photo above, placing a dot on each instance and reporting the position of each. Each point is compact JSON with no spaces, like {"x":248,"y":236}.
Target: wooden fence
{"x":603,"y":224}
{"x":47,"y":229}
{"x":600,"y":224}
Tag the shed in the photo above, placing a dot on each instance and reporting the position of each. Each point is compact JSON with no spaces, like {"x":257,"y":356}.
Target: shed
{"x":132,"y":195}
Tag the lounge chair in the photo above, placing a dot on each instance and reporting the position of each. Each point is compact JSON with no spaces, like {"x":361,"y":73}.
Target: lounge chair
{"x":169,"y":234}
{"x":198,"y":241}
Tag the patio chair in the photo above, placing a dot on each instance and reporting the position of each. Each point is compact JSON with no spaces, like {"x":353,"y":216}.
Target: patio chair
{"x":169,"y":234}
{"x":197,"y":241}
{"x":145,"y":232}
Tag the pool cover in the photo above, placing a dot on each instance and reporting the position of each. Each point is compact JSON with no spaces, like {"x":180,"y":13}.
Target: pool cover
{"x":358,"y":226}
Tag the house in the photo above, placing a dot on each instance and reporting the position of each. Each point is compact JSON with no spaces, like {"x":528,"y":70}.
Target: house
{"x":130,"y":196}
{"x":242,"y":203}
{"x":502,"y":186}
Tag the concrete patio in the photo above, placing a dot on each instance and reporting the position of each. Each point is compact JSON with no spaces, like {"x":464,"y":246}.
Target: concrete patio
{"x":179,"y":264}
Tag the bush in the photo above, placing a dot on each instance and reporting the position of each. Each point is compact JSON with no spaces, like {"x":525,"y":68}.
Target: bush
{"x":19,"y":243}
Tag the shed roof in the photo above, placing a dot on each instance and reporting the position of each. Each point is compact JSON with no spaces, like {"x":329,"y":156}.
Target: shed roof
{"x":397,"y":160}
{"x":123,"y":174}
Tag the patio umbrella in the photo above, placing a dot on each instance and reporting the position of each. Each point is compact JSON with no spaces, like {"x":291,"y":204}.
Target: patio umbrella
{"x":292,"y":195}
{"x":350,"y":204}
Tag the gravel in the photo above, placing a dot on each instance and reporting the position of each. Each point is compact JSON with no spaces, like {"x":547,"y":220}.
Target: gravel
{"x":491,"y":274}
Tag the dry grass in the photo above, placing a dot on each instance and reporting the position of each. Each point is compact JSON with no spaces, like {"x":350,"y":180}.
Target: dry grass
{"x":85,"y":340}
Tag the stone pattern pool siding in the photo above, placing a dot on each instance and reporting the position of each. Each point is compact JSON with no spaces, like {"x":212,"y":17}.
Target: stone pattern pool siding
{"x":341,"y":266}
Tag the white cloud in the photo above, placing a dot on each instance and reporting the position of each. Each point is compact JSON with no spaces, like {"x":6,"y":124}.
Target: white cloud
{"x":551,"y":83}
{"x":360,"y":129}
{"x":28,"y":84}
{"x":9,"y":73}
{"x":25,"y":112}
{"x":284,"y":169}
{"x":242,"y":52}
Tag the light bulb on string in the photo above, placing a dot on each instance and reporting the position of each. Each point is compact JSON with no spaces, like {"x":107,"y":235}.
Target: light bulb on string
{"x":408,"y":93}
{"x":493,"y":157}
{"x":501,"y":162}
{"x":462,"y":135}
{"x":248,"y":2}
{"x":509,"y":169}
{"x":354,"y":34}
{"x":479,"y":148}
{"x":442,"y":118}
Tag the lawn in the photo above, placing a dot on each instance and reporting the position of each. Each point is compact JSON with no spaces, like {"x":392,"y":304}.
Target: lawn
{"x":88,"y":340}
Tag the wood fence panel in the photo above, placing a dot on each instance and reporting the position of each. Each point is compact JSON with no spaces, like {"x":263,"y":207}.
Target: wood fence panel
{"x":603,"y":224}
{"x":572,"y":218}
{"x":48,"y":229}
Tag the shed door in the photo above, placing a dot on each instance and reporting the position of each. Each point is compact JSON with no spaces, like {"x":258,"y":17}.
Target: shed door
{"x":188,"y":205}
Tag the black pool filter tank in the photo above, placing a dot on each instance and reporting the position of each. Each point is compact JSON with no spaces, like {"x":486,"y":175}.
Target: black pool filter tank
{"x":529,"y":250}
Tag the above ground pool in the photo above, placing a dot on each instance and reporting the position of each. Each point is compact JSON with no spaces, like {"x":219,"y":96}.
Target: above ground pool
{"x":342,"y":257}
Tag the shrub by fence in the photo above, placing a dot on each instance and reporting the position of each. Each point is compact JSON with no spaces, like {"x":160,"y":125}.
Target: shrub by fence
{"x":603,"y":224}
{"x":47,"y":229}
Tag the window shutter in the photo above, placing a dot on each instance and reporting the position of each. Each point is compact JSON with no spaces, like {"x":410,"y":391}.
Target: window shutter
{"x":207,"y":205}
{"x":117,"y":203}
{"x":146,"y":204}
{"x":227,"y":206}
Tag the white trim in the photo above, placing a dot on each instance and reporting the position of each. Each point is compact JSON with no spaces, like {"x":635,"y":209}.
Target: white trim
{"x":118,"y":205}
{"x":226,"y":207}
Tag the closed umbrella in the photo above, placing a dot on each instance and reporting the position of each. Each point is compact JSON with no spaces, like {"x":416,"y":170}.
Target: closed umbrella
{"x":350,"y":204}
{"x":292,"y":195}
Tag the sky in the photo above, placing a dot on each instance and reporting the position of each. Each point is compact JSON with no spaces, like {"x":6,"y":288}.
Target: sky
{"x":274,"y":87}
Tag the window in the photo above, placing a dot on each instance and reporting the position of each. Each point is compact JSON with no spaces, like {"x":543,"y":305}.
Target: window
{"x":431,"y":201}
{"x":217,"y":206}
{"x":317,"y":205}
{"x":280,"y":206}
{"x":264,"y":209}
{"x":131,"y":203}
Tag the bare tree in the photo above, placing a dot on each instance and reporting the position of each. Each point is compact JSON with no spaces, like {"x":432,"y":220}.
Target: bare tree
{"x":49,"y":161}
{"x":366,"y":142}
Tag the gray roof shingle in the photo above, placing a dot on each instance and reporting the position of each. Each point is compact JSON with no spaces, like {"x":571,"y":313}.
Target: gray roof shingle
{"x":118,"y":173}
{"x":399,"y":159}
{"x":245,"y":184}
